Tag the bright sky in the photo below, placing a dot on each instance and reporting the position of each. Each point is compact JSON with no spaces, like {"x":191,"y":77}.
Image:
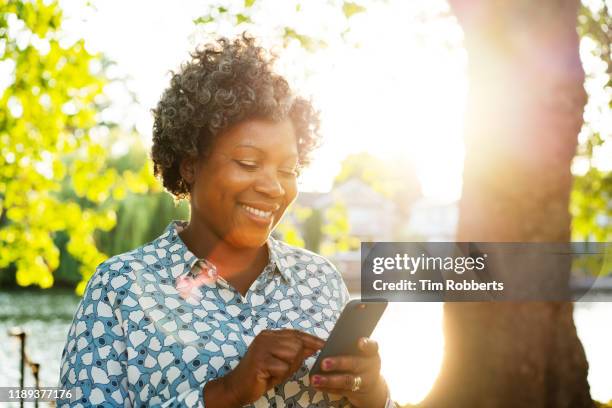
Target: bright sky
{"x":400,"y":93}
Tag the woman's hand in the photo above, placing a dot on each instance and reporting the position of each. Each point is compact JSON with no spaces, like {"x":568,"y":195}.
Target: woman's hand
{"x":272,"y":357}
{"x":343,"y":370}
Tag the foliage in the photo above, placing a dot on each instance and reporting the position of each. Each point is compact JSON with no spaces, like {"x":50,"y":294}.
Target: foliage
{"x":285,"y":22}
{"x":370,"y":169}
{"x":591,"y":200}
{"x":54,"y":177}
{"x":322,"y":231}
{"x":396,"y":180}
{"x":312,"y":229}
{"x":140,"y":219}
{"x":350,"y":9}
{"x":337,"y":231}
{"x":289,"y":228}
{"x":591,"y":206}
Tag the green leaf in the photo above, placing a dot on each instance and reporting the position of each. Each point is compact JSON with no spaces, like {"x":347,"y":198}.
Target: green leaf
{"x":249,"y":3}
{"x":203,"y":20}
{"x":241,"y":18}
{"x":350,"y":9}
{"x":307,"y":42}
{"x":55,"y":180}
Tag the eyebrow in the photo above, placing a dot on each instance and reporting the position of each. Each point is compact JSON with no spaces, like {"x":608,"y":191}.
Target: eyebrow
{"x":249,"y":145}
{"x":261,"y":150}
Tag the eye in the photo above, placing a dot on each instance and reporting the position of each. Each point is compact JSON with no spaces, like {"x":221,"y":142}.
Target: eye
{"x":247,"y":164}
{"x":289,"y":171}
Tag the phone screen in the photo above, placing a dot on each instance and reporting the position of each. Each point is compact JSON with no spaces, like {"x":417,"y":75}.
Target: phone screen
{"x":358,"y":319}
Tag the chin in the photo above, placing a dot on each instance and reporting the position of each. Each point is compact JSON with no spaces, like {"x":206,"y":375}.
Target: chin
{"x":249,"y":240}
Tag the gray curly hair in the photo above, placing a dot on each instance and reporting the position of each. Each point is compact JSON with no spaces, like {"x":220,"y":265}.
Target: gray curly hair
{"x":225,"y":82}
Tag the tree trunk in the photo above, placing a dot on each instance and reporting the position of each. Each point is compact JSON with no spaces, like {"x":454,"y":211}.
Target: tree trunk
{"x":524,"y":113}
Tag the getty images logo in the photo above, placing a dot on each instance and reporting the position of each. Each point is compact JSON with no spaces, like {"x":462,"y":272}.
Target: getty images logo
{"x":412,"y":264}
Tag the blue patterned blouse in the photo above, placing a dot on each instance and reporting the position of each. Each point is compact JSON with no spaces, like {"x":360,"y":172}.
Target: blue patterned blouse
{"x":156,"y":323}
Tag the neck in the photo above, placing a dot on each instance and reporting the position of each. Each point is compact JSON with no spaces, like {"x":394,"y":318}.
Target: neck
{"x":230,"y":261}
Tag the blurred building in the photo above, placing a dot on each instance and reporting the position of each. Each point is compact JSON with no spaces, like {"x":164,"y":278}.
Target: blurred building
{"x":433,"y":220}
{"x":375,"y":217}
{"x":371,"y":215}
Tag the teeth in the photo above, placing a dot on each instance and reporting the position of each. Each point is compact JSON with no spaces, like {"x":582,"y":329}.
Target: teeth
{"x":259,"y":213}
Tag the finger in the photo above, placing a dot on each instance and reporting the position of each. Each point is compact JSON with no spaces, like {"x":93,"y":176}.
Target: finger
{"x":337,"y":382}
{"x":309,"y":340}
{"x":351,"y":364}
{"x":288,"y":350}
{"x":298,"y":358}
{"x":342,"y":392}
{"x":345,"y":382}
{"x":307,"y":352}
{"x":293,"y":352}
{"x":277,"y":369}
{"x":367,"y":346}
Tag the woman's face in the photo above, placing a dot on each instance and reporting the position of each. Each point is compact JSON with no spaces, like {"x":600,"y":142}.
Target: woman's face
{"x":241,"y":191}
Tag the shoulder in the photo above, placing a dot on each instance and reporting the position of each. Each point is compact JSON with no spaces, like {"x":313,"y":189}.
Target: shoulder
{"x":312,"y":273}
{"x":157,"y":254}
{"x":113,"y":278}
{"x":300,"y":258}
{"x":307,"y":267}
{"x":137,"y":269}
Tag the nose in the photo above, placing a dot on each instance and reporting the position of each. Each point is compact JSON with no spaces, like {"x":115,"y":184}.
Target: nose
{"x":269,"y":184}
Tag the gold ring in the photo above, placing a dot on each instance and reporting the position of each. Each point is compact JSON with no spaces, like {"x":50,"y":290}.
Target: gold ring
{"x":356,"y":383}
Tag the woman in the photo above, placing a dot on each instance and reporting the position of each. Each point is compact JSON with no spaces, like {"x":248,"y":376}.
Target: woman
{"x":215,"y":312}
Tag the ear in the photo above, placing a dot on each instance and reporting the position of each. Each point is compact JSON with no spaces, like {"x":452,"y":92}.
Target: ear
{"x":187,"y":169}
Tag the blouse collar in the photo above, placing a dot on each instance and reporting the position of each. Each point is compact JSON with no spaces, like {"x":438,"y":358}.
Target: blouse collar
{"x":281,"y":257}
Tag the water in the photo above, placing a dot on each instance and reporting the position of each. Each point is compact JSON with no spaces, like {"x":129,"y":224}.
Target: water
{"x":46,"y":317}
{"x":410,"y":338}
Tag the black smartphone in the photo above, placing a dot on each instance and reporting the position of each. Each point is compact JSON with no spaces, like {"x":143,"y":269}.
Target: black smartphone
{"x":358,"y":319}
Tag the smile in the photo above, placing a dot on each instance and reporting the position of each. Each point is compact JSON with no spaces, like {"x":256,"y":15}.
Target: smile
{"x":258,"y":213}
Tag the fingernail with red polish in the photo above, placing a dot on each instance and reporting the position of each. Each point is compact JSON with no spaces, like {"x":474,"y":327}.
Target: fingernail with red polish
{"x":327,"y":364}
{"x":316,"y":380}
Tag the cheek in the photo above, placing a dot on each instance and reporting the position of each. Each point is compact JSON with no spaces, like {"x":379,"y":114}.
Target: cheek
{"x":290,"y":194}
{"x":219,"y":190}
{"x":291,"y":191}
